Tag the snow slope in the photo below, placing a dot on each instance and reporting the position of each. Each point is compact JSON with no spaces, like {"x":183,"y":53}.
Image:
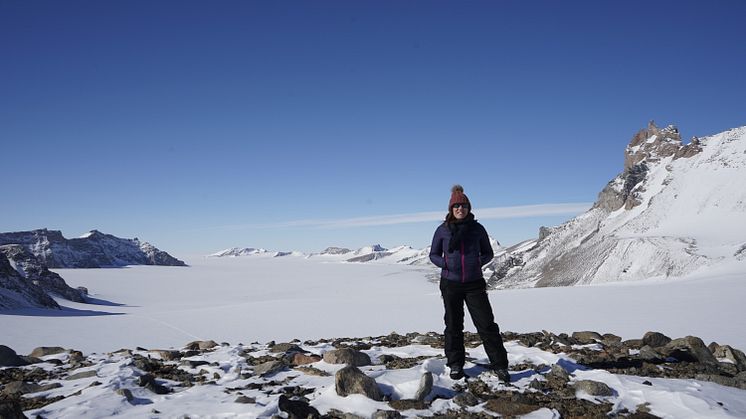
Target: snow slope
{"x":674,"y":210}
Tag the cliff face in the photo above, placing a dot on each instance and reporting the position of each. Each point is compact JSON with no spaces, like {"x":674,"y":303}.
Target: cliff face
{"x":95,"y":250}
{"x":673,"y":209}
{"x":17,"y":292}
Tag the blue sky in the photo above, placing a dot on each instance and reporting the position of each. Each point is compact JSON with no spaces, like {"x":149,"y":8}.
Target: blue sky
{"x":204,"y":125}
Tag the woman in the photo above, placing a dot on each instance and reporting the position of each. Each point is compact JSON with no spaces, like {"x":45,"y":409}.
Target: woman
{"x":460,"y":248}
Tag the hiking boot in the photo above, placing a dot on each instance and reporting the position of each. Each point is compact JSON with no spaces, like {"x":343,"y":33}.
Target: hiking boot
{"x":503,"y":375}
{"x":457,"y":372}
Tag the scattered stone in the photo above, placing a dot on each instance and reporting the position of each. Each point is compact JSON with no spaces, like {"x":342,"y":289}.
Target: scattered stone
{"x":312,"y":371}
{"x":347,"y":356}
{"x":655,"y":339}
{"x":507,"y":407}
{"x":633,"y":344}
{"x":303,"y":359}
{"x":82,"y":374}
{"x":406,"y":404}
{"x":200,"y":345}
{"x":594,"y":388}
{"x":426,"y":386}
{"x":689,"y":349}
{"x":168,"y":355}
{"x":557,"y":378}
{"x":386,"y":414}
{"x":350,"y":380}
{"x":285,"y":348}
{"x":647,"y":383}
{"x":126,"y":393}
{"x":148,"y":381}
{"x":46,"y":350}
{"x":245,"y":400}
{"x":587,"y":337}
{"x":269,"y":368}
{"x":194,"y":363}
{"x":9,"y":358}
{"x":466,"y":399}
{"x":297,"y":408}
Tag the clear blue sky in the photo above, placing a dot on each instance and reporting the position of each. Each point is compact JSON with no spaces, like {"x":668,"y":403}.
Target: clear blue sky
{"x":198,"y":126}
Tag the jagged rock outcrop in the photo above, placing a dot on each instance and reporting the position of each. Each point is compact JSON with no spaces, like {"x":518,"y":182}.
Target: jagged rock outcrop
{"x":17,"y":292}
{"x":35,"y":273}
{"x":94,"y":250}
{"x":656,"y":219}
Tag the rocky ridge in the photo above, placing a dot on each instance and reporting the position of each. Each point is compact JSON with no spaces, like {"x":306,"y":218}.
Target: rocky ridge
{"x":562,"y":375}
{"x":94,"y":250}
{"x":653,"y":220}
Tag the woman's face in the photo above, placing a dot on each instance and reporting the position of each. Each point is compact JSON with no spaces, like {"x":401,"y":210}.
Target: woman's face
{"x":460,"y":211}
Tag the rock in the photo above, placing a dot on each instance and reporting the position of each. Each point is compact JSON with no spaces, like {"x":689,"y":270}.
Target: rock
{"x":722,"y":380}
{"x":168,"y":355}
{"x":407,"y":404}
{"x":611,"y":339}
{"x":297,"y":408}
{"x":649,"y":354}
{"x":285,"y":348}
{"x":386,"y":414}
{"x":21,"y":387}
{"x":557,"y":378}
{"x":689,"y":349}
{"x":347,"y":356}
{"x":466,"y":399}
{"x":11,"y":409}
{"x":148,"y":381}
{"x":245,"y":400}
{"x":82,"y":374}
{"x":594,"y":388}
{"x":126,"y":393}
{"x":303,"y":359}
{"x":194,"y":363}
{"x":312,"y":371}
{"x":9,"y":358}
{"x":350,"y":380}
{"x":46,"y":350}
{"x":655,"y":339}
{"x":426,"y":386}
{"x":633,"y":344}
{"x":586,"y":338}
{"x":269,"y":368}
{"x":732,"y":354}
{"x":507,"y":407}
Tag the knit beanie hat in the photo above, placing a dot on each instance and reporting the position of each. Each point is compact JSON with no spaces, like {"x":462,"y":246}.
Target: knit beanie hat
{"x":458,"y":197}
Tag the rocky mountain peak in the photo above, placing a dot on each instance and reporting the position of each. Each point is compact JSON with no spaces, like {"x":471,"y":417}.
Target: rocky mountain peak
{"x":651,"y":144}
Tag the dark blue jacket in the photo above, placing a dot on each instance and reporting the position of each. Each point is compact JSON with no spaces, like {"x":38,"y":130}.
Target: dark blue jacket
{"x":463,"y":264}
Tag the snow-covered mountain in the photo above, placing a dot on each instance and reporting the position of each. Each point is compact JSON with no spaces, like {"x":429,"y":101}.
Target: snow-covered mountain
{"x":675,"y":208}
{"x":18,"y":292}
{"x":93,"y":250}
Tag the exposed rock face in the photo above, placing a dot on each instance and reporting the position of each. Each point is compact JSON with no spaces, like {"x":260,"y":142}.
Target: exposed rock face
{"x":641,"y":224}
{"x":33,"y":270}
{"x":17,"y":292}
{"x":95,"y":250}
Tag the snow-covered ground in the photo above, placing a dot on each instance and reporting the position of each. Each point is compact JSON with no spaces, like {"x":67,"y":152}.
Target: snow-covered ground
{"x":258,"y":299}
{"x":261,"y":298}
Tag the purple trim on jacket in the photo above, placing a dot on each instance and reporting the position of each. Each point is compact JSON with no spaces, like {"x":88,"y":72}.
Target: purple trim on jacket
{"x":464,"y":264}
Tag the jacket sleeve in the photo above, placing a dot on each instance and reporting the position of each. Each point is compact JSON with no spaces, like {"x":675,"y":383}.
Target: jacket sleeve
{"x":436,"y":250}
{"x":485,"y":248}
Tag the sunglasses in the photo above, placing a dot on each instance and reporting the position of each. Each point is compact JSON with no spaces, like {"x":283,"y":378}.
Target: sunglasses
{"x":466,"y":206}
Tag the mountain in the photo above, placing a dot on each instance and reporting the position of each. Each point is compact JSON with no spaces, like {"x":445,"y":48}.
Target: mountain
{"x":18,"y":292}
{"x":94,"y":250}
{"x":239,"y":251}
{"x":35,"y":273}
{"x":674,"y":208}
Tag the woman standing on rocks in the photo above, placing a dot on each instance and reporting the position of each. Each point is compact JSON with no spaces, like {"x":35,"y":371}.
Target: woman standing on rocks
{"x":460,"y":248}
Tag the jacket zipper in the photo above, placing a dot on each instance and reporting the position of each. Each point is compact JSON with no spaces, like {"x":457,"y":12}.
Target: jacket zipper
{"x":463,"y":264}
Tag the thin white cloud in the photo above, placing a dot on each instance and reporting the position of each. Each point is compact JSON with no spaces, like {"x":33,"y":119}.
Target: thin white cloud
{"x":521,"y":211}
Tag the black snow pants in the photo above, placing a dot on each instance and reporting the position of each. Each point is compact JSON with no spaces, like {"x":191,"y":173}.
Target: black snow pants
{"x":474,"y":294}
